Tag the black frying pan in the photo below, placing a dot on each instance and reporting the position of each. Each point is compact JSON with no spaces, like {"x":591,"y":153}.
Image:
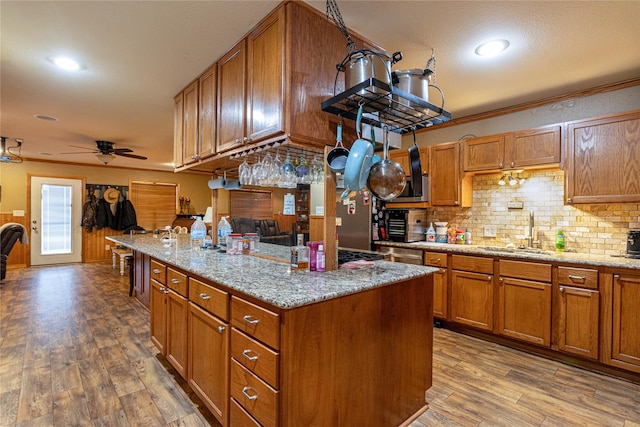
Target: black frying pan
{"x":416,"y":167}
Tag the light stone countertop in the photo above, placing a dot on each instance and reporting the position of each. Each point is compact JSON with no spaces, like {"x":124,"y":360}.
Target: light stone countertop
{"x":269,"y":280}
{"x":524,"y":254}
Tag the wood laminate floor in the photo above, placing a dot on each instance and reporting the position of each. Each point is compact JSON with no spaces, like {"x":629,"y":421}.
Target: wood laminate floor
{"x":75,"y":351}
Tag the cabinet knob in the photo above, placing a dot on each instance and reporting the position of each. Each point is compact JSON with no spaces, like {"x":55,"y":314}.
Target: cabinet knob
{"x":246,"y":391}
{"x":456,"y":203}
{"x":221,"y":329}
{"x":489,"y":278}
{"x":246,"y":139}
{"x":512,"y":164}
{"x":569,"y":200}
{"x":561,"y":289}
{"x":500,"y":165}
{"x":246,"y":354}
{"x":250,"y":320}
{"x":162,"y":289}
{"x":500,"y":280}
{"x":442,"y":271}
{"x":238,"y":141}
{"x":204,"y":296}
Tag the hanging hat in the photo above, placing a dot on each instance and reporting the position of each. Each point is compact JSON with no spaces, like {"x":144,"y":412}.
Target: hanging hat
{"x":111,"y":196}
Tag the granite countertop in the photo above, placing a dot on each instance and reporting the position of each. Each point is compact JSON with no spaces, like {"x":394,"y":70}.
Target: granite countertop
{"x":526,"y":254}
{"x":266,"y":278}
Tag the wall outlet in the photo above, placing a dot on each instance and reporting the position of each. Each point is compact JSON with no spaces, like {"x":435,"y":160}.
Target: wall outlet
{"x":107,"y":247}
{"x":18,"y":212}
{"x":515,"y":205}
{"x":490,"y":231}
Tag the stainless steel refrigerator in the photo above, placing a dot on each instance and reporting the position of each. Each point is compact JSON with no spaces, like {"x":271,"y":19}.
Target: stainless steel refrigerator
{"x":362,"y":221}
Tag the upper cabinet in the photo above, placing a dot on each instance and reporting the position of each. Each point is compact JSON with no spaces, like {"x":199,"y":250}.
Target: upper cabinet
{"x":190,"y":124}
{"x":207,"y":113}
{"x":402,"y":157}
{"x":603,"y":160}
{"x":270,"y":87}
{"x":178,"y":119}
{"x":447,"y":185}
{"x":539,"y":147}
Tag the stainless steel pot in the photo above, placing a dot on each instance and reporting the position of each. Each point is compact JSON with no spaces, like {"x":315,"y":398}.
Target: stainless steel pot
{"x":416,"y":82}
{"x":365,"y":64}
{"x":386,"y":178}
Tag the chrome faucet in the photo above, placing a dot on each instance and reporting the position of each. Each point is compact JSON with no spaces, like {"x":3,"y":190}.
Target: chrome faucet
{"x":530,"y":241}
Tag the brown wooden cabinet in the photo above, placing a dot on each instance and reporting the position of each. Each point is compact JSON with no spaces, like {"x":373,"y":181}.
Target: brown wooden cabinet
{"x":178,"y":122}
{"x":603,"y":155}
{"x":190,"y":124}
{"x":578,"y":312}
{"x":524,"y":301}
{"x":402,"y":158}
{"x":440,"y":282}
{"x":472,"y":291}
{"x":448,"y":187}
{"x":303,"y":202}
{"x":625,"y":332}
{"x":208,"y":347}
{"x":207,"y":96}
{"x":158,"y":315}
{"x":539,"y":147}
{"x":232,"y":92}
{"x":141,"y":289}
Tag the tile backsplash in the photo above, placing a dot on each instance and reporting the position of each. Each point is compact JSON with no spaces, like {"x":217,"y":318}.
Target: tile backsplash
{"x":594,"y":229}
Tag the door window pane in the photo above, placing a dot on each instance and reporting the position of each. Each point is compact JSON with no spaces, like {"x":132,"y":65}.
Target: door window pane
{"x":56,"y":219}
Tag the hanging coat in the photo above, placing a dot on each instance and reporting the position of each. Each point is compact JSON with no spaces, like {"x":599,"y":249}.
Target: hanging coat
{"x":89,"y":213}
{"x":104,"y":217}
{"x":125,"y":216}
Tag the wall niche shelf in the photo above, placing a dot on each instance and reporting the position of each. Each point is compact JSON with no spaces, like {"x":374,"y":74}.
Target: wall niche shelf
{"x":384,"y":105}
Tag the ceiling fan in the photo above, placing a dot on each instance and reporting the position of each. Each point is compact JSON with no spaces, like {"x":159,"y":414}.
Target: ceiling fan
{"x":106,"y":152}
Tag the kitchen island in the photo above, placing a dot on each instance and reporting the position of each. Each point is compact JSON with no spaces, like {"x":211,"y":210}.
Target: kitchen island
{"x":269,"y":346}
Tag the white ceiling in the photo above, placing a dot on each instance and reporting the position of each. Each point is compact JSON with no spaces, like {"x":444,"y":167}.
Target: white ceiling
{"x":139,"y":54}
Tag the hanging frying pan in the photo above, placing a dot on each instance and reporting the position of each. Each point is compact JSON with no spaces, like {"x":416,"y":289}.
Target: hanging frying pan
{"x":416,"y":167}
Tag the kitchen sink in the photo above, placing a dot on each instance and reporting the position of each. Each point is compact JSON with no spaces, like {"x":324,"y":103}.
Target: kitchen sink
{"x":516,"y":250}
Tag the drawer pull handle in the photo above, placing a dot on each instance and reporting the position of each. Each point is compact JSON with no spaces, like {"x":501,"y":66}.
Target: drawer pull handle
{"x":249,"y":396}
{"x":251,"y":358}
{"x":221,"y":329}
{"x":577,"y":278}
{"x":161,"y":288}
{"x":204,"y":296}
{"x":156,"y":271}
{"x":442,"y":271}
{"x":561,"y":289}
{"x":175,"y":281}
{"x":250,"y":319}
{"x":435,"y":260}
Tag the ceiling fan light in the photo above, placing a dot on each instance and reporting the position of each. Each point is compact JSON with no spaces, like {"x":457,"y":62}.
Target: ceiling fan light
{"x":105,"y":158}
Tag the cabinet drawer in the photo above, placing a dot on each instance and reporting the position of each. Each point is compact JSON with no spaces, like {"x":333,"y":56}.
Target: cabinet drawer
{"x":238,"y":417}
{"x":256,"y":357}
{"x":435,"y":259}
{"x":472,"y":263}
{"x":177,"y":281}
{"x":254,"y":395}
{"x":255,"y":321}
{"x":525,"y":270}
{"x":211,"y":299}
{"x":580,"y":277}
{"x":158,"y":272}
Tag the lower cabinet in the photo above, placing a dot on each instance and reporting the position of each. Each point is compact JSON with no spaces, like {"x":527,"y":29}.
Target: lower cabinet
{"x":141,"y":277}
{"x":625,"y":339}
{"x":578,"y":312}
{"x":176,"y":349}
{"x":440,"y":282}
{"x":472,"y":291}
{"x":158,"y":315}
{"x":524,"y":301}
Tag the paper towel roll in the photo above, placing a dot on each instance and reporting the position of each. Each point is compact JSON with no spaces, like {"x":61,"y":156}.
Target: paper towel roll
{"x":217,"y":183}
{"x":233,"y":184}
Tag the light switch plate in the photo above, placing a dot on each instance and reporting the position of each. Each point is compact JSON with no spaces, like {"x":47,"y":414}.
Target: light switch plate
{"x":490,"y":231}
{"x":515,"y":205}
{"x":18,"y":213}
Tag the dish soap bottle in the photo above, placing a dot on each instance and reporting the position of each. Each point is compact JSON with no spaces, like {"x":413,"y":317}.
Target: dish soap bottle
{"x":560,"y":243}
{"x":198,"y":233}
{"x":300,"y":255}
{"x":431,"y":234}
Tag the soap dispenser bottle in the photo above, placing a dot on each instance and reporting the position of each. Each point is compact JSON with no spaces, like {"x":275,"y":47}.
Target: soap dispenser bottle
{"x":431,"y":234}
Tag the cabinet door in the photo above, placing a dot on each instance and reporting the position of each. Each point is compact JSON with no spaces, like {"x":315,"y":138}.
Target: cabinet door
{"x":424,"y":160}
{"x":578,"y":325}
{"x":208,"y":87}
{"x":446,"y":184}
{"x":484,"y":153}
{"x":158,"y":315}
{"x":231,"y":98}
{"x":626,"y":319}
{"x":524,"y":310}
{"x":141,"y":277}
{"x":533,"y":147}
{"x":472,"y":299}
{"x":178,"y":118}
{"x":440,"y":293}
{"x":209,"y":360}
{"x":177,"y":313}
{"x":265,"y":80}
{"x":602,"y":160}
{"x":190,"y":124}
{"x":402,"y":157}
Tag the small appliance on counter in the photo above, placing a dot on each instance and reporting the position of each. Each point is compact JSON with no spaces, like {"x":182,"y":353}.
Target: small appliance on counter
{"x":407,"y":225}
{"x":633,"y":244}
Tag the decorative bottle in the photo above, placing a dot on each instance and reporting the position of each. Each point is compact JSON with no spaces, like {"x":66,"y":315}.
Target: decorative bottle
{"x":300,"y":255}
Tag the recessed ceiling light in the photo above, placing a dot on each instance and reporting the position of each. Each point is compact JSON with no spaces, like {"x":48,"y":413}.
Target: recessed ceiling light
{"x":46,"y":118}
{"x":492,"y":48}
{"x":65,"y":63}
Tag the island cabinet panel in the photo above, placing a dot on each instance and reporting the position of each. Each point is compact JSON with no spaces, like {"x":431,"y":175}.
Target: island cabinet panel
{"x":256,"y":357}
{"x":265,"y":77}
{"x":177,"y":314}
{"x":232,"y":92}
{"x":208,"y":366}
{"x":141,"y":266}
{"x":626,"y":321}
{"x":359,"y":357}
{"x":256,"y":321}
{"x":158,"y":315}
{"x":440,"y":282}
{"x":603,"y":160}
{"x":238,"y":417}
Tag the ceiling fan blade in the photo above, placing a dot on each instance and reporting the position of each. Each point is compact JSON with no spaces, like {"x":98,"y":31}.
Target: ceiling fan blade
{"x":80,"y":152}
{"x":133,"y":156}
{"x":122,"y":150}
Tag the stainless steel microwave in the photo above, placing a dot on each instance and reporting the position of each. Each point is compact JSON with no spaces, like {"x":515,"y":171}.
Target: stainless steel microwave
{"x":415,"y":194}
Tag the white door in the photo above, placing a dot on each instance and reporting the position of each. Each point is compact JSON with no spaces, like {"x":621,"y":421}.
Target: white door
{"x":56,"y":215}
